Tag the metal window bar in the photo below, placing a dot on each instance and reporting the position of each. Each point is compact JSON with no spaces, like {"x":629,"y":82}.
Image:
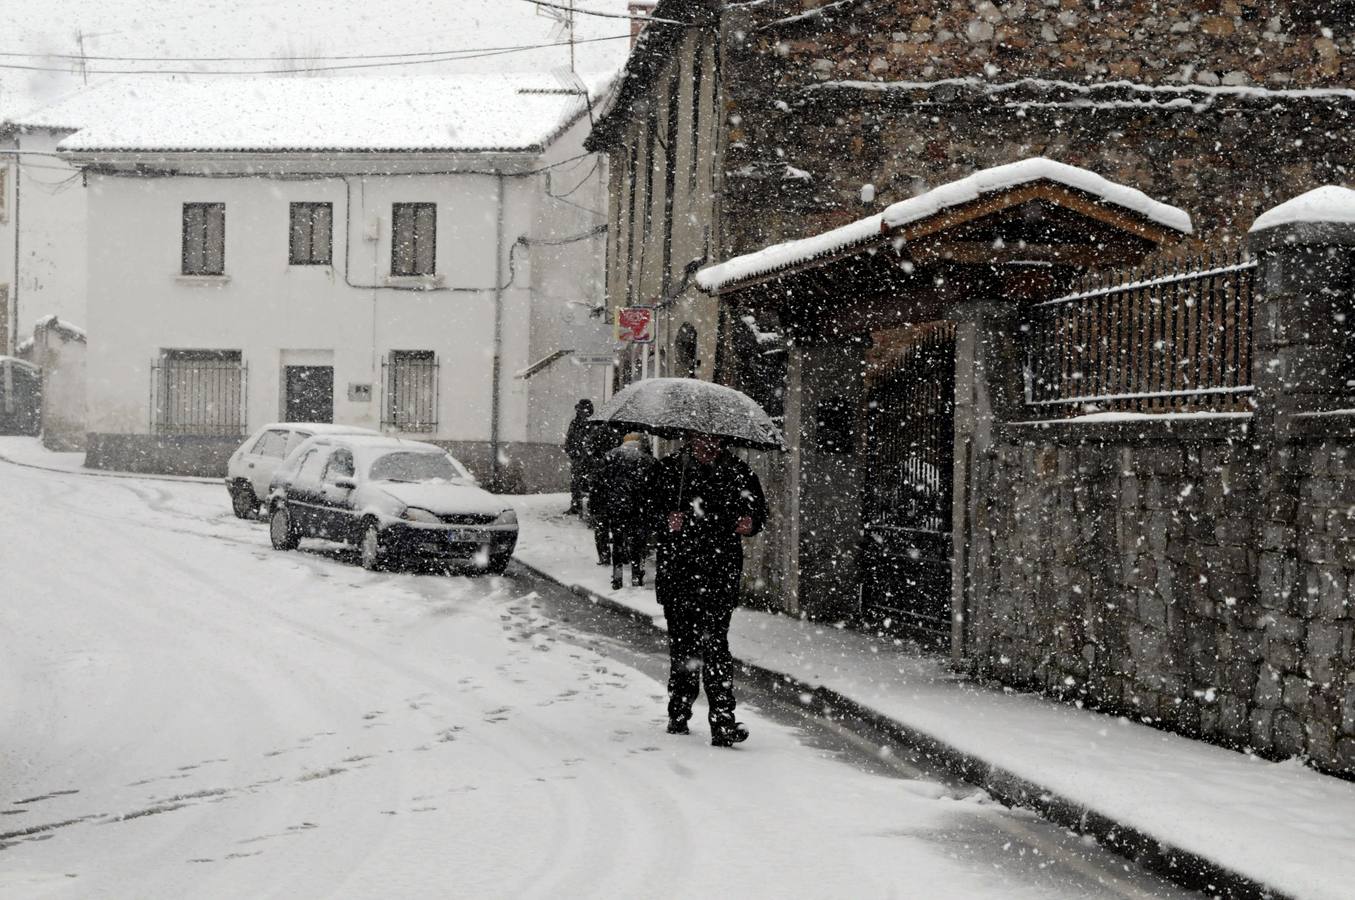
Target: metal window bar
{"x":1174,"y":337}
{"x":198,"y":395}
{"x":411,"y":382}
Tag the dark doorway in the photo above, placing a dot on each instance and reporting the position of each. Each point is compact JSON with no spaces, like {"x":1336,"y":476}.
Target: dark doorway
{"x":310,"y":394}
{"x":909,"y":451}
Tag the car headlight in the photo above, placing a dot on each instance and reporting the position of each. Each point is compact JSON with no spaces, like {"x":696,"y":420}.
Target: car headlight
{"x":414,"y":514}
{"x":507,"y":517}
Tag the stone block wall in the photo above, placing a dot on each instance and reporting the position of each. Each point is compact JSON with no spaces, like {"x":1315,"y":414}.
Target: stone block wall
{"x":1223,"y":108}
{"x":1181,"y":576}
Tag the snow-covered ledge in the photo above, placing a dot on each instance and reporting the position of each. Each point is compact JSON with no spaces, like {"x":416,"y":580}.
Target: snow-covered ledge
{"x":1330,"y":204}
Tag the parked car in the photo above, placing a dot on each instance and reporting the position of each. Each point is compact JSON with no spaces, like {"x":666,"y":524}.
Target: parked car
{"x":250,"y":469}
{"x":396,"y":500}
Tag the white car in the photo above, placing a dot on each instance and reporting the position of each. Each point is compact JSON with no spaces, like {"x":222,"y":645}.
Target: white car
{"x":251,"y":468}
{"x":395,"y":500}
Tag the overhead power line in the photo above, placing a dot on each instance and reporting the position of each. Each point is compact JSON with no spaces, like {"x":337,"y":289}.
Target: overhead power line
{"x":424,"y":59}
{"x":606,"y":15}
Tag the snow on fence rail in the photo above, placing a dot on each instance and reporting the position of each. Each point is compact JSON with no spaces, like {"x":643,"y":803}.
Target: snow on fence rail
{"x":1169,"y":338}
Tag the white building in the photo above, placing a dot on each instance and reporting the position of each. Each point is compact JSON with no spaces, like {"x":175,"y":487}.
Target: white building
{"x":419,"y":255}
{"x":42,"y":222}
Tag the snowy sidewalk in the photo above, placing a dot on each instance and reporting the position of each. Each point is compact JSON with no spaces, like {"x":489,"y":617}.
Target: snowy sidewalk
{"x":1277,"y":825}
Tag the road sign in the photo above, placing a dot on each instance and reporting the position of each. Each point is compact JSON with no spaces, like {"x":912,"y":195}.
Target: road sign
{"x":635,"y":325}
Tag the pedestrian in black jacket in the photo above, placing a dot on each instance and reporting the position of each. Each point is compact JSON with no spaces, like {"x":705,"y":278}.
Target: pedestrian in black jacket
{"x":616,"y":502}
{"x":577,"y":450}
{"x":703,"y":502}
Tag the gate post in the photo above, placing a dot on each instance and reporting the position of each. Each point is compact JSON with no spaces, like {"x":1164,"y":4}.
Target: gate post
{"x":988,"y":379}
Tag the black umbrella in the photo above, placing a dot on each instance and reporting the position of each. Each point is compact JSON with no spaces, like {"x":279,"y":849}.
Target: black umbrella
{"x":673,"y":407}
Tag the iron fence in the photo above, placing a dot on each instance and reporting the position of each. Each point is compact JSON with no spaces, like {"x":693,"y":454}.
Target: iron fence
{"x":411,"y":387}
{"x":198,"y":392}
{"x":1173,"y":337}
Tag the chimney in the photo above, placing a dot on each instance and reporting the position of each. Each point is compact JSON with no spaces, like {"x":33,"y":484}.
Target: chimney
{"x":639,"y":9}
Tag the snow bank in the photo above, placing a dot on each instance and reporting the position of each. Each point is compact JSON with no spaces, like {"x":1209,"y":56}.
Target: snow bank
{"x":999,"y":178}
{"x":1328,"y":204}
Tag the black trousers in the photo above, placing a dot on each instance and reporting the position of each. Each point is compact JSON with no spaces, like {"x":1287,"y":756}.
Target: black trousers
{"x":622,"y":543}
{"x":578,"y":483}
{"x":698,"y":653}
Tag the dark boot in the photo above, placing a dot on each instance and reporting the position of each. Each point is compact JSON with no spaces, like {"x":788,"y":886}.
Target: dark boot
{"x":729,"y":735}
{"x":678,"y":726}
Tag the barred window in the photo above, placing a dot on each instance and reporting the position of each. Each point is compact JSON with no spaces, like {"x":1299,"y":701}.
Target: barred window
{"x":414,"y":228}
{"x":411,"y":390}
{"x":312,"y":234}
{"x":204,"y":238}
{"x":198,"y":392}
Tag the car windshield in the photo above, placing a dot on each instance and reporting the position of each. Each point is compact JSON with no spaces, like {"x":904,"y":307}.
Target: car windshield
{"x":405,"y":465}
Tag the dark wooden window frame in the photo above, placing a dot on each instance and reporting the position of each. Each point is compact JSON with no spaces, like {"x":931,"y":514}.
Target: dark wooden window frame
{"x":419,"y":242}
{"x":301,"y":241}
{"x":198,"y":239}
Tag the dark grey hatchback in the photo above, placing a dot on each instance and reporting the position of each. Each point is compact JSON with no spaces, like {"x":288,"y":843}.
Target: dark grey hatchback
{"x":395,"y":500}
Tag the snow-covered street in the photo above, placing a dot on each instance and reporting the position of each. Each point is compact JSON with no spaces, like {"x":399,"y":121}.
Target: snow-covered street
{"x":190,"y":713}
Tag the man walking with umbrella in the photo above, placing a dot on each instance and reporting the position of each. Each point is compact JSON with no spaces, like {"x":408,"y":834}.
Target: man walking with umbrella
{"x":702,"y":502}
{"x":705,"y":502}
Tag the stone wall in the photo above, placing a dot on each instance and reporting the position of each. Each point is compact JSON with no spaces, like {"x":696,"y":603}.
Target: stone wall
{"x":1221,"y":108}
{"x":1177,"y":576}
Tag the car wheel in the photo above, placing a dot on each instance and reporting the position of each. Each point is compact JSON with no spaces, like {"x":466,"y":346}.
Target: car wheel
{"x":282,"y":530}
{"x":371,"y":549}
{"x":499,"y":564}
{"x":243,"y":502}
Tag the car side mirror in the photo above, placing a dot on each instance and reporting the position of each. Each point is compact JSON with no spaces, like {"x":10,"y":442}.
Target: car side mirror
{"x":345,"y":483}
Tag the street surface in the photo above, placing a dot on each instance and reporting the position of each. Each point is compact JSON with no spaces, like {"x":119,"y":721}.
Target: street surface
{"x":186,"y":712}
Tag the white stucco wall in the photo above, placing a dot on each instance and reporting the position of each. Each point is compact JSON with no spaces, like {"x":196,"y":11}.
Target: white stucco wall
{"x":141,"y":305}
{"x":50,"y":218}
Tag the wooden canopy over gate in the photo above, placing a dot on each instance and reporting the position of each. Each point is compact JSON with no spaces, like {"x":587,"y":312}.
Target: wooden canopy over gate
{"x":894,"y":295}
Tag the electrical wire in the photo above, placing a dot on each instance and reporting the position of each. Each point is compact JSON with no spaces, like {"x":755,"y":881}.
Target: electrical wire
{"x":604,"y":15}
{"x":450,"y":56}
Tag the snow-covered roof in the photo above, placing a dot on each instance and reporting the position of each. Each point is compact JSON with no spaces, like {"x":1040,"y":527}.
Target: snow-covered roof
{"x":1328,"y":204}
{"x":66,"y":329}
{"x":457,"y":114}
{"x":1000,"y":178}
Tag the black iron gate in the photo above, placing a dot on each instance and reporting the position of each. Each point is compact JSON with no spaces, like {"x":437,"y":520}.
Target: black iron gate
{"x":910,"y":431}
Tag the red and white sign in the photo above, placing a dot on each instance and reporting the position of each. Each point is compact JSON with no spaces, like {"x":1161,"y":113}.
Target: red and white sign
{"x":635,"y":325}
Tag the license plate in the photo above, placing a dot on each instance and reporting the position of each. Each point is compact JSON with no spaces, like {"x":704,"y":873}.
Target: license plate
{"x":462,"y":537}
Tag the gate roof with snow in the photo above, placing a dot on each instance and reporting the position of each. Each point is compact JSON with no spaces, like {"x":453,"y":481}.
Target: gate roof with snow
{"x":1033,"y":211}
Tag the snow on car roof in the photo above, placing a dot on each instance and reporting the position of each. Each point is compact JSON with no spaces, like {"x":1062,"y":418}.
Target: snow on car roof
{"x":324,"y":428}
{"x":999,"y":178}
{"x":466,"y":113}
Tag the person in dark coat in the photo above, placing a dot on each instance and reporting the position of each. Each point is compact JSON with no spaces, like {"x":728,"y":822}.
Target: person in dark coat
{"x":616,"y":503}
{"x":702,"y":503}
{"x":577,"y":450}
{"x":600,"y":439}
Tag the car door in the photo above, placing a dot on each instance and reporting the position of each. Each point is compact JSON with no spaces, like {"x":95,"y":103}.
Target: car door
{"x":264,"y":458}
{"x":305,"y":493}
{"x":334,"y":511}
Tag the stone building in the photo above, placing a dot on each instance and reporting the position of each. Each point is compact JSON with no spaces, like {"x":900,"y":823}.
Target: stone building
{"x":1132,"y":529}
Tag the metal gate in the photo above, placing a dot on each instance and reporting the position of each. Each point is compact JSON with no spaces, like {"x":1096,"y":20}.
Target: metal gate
{"x":910,"y":437}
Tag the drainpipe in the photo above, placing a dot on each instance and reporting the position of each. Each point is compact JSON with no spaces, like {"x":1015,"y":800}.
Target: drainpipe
{"x":494,"y":411}
{"x":12,"y":329}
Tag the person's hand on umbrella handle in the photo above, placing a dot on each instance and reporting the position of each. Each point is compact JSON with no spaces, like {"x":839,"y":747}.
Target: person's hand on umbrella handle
{"x":675,"y":521}
{"x":744,"y":526}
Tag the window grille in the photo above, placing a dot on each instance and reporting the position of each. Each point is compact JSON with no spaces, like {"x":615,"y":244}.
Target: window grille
{"x":411,"y":379}
{"x":198,"y":392}
{"x":204,"y":238}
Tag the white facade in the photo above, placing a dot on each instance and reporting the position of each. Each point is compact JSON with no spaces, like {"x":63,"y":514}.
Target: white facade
{"x":516,"y":274}
{"x":42,"y":234}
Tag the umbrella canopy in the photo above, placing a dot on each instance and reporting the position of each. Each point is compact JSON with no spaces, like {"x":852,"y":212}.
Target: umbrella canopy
{"x":671,"y":407}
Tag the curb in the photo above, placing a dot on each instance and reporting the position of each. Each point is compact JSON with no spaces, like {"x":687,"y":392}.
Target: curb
{"x":98,"y":473}
{"x":1178,"y":866}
